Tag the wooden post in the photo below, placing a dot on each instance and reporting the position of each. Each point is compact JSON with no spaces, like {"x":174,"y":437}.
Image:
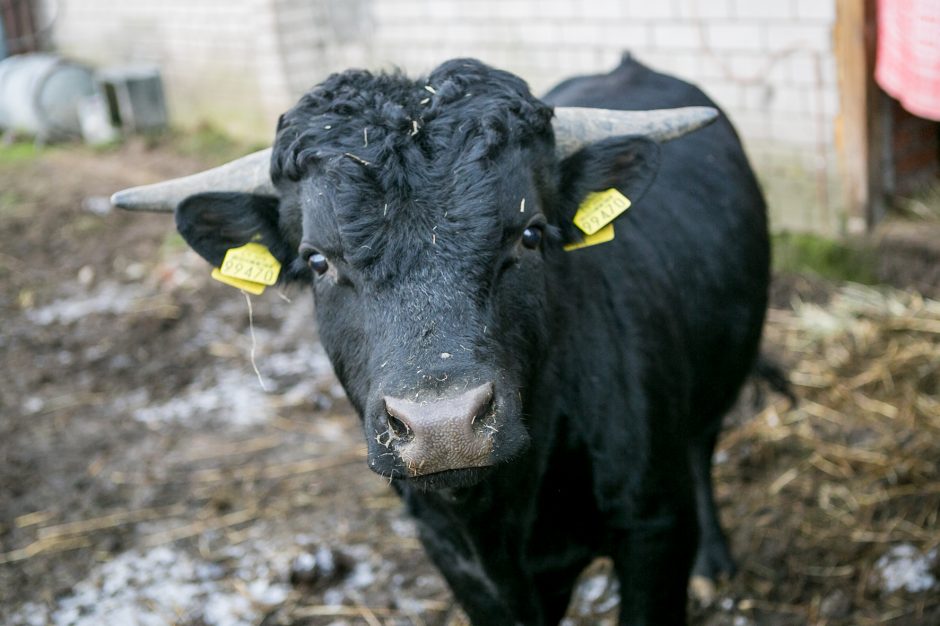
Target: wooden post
{"x":860,"y":125}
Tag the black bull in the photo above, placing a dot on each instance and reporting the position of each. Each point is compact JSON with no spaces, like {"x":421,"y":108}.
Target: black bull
{"x":533,"y":407}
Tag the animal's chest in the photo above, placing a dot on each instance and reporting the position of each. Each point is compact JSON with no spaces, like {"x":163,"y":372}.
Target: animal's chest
{"x":566,"y":525}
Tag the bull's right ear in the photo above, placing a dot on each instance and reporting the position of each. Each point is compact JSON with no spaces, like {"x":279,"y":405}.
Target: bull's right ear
{"x":628,"y":164}
{"x":213,"y":222}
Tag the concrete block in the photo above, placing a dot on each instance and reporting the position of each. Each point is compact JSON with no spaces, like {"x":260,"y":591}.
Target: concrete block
{"x":704,"y":9}
{"x":749,"y":67}
{"x":639,"y":10}
{"x":735,"y":36}
{"x":715,"y":67}
{"x":754,"y":126}
{"x":786,"y":99}
{"x":579,"y":34}
{"x":541,"y":32}
{"x":624,"y":36}
{"x":798,"y":129}
{"x":603,"y":10}
{"x":676,"y":37}
{"x":806,"y":36}
{"x":726,"y":94}
{"x":820,"y":10}
{"x":558,"y":9}
{"x":512,"y":10}
{"x":757,"y":98}
{"x":764,"y":9}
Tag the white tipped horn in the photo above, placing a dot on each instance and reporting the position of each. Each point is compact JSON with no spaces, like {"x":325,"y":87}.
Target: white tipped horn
{"x":576,"y":127}
{"x":250,"y":174}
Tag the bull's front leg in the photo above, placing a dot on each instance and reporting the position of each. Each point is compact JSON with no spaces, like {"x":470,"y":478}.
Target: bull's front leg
{"x":653,"y":558}
{"x":484,"y":571}
{"x":478,"y":594}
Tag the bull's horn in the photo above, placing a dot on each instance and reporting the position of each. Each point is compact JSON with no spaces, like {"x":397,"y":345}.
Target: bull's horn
{"x":576,"y":127}
{"x":249,"y":174}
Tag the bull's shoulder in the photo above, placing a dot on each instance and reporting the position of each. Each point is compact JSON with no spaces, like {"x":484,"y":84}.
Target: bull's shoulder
{"x":630,"y":86}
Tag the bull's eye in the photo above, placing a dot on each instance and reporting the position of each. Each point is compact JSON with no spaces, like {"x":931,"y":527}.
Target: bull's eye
{"x":532,"y":237}
{"x":318,"y":263}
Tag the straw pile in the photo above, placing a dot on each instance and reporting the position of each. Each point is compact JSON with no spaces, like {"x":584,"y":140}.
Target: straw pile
{"x":823,"y":494}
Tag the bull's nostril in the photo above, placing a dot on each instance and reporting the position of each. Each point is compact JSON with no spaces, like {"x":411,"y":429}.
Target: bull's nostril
{"x":398,"y":427}
{"x":483,"y":411}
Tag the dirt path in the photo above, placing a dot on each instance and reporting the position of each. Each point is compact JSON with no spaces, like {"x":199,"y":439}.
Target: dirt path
{"x":146,"y":477}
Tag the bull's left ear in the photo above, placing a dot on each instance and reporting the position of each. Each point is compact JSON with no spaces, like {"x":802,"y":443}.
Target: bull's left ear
{"x":213,"y":222}
{"x":628,"y":164}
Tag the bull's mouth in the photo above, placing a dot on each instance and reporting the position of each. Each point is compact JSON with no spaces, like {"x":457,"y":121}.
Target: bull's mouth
{"x":446,"y":479}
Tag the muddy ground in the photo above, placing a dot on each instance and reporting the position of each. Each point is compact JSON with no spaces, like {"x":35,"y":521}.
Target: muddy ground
{"x":147,"y":477}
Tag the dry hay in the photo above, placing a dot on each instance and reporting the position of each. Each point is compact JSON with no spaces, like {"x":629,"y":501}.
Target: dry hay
{"x":817,"y":493}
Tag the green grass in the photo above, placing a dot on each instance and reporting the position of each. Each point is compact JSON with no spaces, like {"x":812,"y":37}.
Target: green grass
{"x":848,"y":259}
{"x":172,"y":243}
{"x":19,"y":152}
{"x":210,"y":143}
{"x":206,"y":142}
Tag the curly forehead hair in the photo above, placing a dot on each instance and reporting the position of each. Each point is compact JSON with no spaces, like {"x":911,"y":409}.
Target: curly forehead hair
{"x":463,"y":109}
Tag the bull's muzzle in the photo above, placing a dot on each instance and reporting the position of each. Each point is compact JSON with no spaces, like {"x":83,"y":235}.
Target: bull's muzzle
{"x":444,"y":434}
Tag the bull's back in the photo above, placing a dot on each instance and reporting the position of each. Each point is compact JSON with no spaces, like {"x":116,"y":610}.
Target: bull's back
{"x":694,"y":249}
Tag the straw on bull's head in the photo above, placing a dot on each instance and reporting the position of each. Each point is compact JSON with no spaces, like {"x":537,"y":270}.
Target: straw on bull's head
{"x":574,"y":128}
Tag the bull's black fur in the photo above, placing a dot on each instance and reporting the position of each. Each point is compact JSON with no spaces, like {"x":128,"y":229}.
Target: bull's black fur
{"x":612,"y":365}
{"x":397,"y":153}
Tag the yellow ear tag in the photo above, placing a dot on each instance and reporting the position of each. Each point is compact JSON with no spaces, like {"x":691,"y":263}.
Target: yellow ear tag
{"x":604,"y":235}
{"x":600,"y":209}
{"x":249,"y":267}
{"x":246,"y":285}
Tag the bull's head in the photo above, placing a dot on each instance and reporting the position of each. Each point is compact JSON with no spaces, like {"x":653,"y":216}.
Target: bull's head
{"x":429,"y":217}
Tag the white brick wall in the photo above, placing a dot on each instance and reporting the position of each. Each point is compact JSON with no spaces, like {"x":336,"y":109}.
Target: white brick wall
{"x":220,"y":58}
{"x":768,"y":63}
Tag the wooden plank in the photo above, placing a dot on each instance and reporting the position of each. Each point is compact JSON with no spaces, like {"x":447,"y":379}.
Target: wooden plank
{"x":880,"y":128}
{"x":852,"y":122}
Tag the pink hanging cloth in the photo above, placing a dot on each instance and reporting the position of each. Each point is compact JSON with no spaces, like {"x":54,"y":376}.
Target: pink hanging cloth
{"x":908,"y":64}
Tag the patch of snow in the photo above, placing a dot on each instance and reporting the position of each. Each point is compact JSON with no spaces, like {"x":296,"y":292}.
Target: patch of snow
{"x":337,"y":391}
{"x":612,"y":600}
{"x":306,"y":561}
{"x":236,"y":399}
{"x":308,"y":360}
{"x":131,"y":401}
{"x":266,"y":593}
{"x":403,"y":527}
{"x":109,"y":297}
{"x":166,"y":586}
{"x":593,"y":588}
{"x":30,"y":614}
{"x":33,"y":404}
{"x":904,"y":567}
{"x":362,"y":576}
{"x":596,"y":595}
{"x":334,"y":596}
